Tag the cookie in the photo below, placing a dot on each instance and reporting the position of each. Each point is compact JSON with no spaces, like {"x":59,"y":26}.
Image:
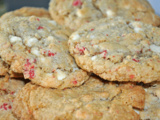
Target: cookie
{"x":8,"y":90}
{"x":117,"y":49}
{"x":152,"y":103}
{"x":94,"y":100}
{"x":37,"y":47}
{"x":24,"y":12}
{"x":3,"y":68}
{"x":75,"y":13}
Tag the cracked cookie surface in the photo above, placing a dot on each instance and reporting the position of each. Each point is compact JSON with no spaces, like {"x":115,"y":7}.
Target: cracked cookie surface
{"x":8,"y":90}
{"x":3,"y":68}
{"x":37,"y":47}
{"x":75,"y":13}
{"x":117,"y":49}
{"x":94,"y":100}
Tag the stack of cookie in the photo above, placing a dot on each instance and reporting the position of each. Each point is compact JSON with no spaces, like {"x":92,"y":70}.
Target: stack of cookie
{"x":83,"y":60}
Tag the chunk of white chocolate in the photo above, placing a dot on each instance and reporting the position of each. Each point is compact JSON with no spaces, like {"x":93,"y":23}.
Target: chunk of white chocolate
{"x":79,"y":13}
{"x":60,"y":75}
{"x":75,"y":36}
{"x":155,"y":48}
{"x":110,"y":13}
{"x":137,"y":29}
{"x":31,"y":41}
{"x":35,"y":51}
{"x":14,"y":39}
{"x":93,"y":58}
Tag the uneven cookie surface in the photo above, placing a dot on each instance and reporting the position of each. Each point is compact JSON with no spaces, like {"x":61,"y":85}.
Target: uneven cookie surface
{"x":8,"y":90}
{"x":152,"y":103}
{"x":25,"y":12}
{"x":74,"y":13}
{"x":37,"y":47}
{"x":95,"y":100}
{"x":3,"y":68}
{"x":118,"y":50}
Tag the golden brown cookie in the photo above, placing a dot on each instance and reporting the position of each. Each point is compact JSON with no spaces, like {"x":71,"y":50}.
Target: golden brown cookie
{"x":8,"y":90}
{"x":94,"y":100}
{"x":75,"y":13}
{"x":37,"y":47}
{"x":25,"y":12}
{"x":118,"y":49}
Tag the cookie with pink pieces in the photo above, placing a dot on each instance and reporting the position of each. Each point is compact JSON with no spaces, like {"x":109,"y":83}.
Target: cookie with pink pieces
{"x":38,"y":48}
{"x":75,"y":13}
{"x":8,"y":90}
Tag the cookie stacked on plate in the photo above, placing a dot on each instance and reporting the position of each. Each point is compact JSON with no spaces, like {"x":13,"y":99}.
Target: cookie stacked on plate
{"x":104,"y":70}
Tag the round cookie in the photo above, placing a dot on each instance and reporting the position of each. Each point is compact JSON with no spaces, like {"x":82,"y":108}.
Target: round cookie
{"x":3,"y":68}
{"x":25,"y":12}
{"x":118,"y":50}
{"x":94,"y":100}
{"x":37,"y":47}
{"x":8,"y":90}
{"x":152,"y":103}
{"x":75,"y":13}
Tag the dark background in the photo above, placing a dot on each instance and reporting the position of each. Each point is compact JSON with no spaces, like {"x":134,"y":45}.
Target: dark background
{"x":15,"y":4}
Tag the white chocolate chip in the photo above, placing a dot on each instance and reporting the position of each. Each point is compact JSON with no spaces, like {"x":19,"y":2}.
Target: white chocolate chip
{"x":75,"y":36}
{"x":79,"y":13}
{"x":35,"y":51}
{"x":155,"y":48}
{"x":14,"y":39}
{"x":110,"y":13}
{"x":137,"y":29}
{"x":52,"y":22}
{"x":50,"y":38}
{"x":94,"y":57}
{"x":136,"y":26}
{"x":31,"y":41}
{"x":60,"y":75}
{"x":43,"y":59}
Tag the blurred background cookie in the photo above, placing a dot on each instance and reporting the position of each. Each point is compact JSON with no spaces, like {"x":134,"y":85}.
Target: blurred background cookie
{"x":75,"y":13}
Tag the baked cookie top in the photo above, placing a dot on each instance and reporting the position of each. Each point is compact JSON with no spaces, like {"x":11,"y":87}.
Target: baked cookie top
{"x":37,"y":47}
{"x":8,"y":90}
{"x":25,"y":12}
{"x":152,"y":103}
{"x":94,"y":100}
{"x":75,"y":13}
{"x":3,"y":68}
{"x":118,"y":50}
